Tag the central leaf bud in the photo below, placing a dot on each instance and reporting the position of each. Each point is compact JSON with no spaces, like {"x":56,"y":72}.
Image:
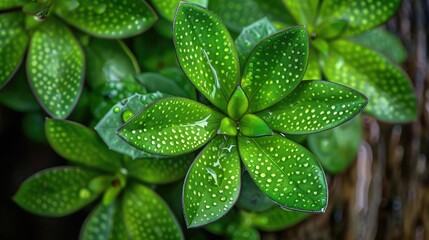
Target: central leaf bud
{"x":238,"y":104}
{"x":227,"y":127}
{"x":251,"y":125}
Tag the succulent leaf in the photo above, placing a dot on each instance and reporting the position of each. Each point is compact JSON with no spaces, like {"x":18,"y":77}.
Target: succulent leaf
{"x":159,"y":171}
{"x":212,"y":185}
{"x":276,"y":219}
{"x":275,"y":67}
{"x":238,"y":104}
{"x":56,"y":192}
{"x":206,"y":53}
{"x":80,"y":145}
{"x":113,"y":119}
{"x":107,"y":18}
{"x":360,"y":15}
{"x":147,"y":216}
{"x":251,"y":125}
{"x":389,"y":90}
{"x":313,"y":107}
{"x":100,"y":222}
{"x":13,"y":43}
{"x":251,"y":36}
{"x":382,"y":42}
{"x":286,"y":172}
{"x":172,"y":126}
{"x":56,"y":78}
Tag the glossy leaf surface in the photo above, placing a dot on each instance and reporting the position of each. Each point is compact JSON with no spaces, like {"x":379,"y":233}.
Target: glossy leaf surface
{"x":345,"y":139}
{"x":6,"y":4}
{"x":314,"y":106}
{"x":113,"y":119}
{"x":80,"y":145}
{"x":167,"y":8}
{"x":286,"y":172}
{"x":172,"y":126}
{"x":13,"y":43}
{"x":163,"y":170}
{"x":107,"y":18}
{"x":228,"y":127}
{"x":382,"y":42}
{"x":276,"y":219}
{"x":253,"y":126}
{"x":108,"y":61}
{"x":275,"y":67}
{"x":252,"y":35}
{"x":100,"y":223}
{"x":56,"y":192}
{"x":212,"y":185}
{"x":360,"y":15}
{"x":56,"y":78}
{"x":147,"y":216}
{"x":206,"y":53}
{"x":389,"y":91}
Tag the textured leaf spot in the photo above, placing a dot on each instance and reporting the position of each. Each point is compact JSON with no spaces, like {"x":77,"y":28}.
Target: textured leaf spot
{"x":107,"y":18}
{"x":213,"y":182}
{"x":13,"y":42}
{"x":313,"y":107}
{"x":55,"y":68}
{"x":206,"y":53}
{"x":286,"y":172}
{"x":275,"y":67}
{"x":172,"y":126}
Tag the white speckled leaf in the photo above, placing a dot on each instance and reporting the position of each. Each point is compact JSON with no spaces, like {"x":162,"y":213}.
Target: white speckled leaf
{"x":389,"y":91}
{"x":147,"y":216}
{"x":80,"y":145}
{"x":107,"y":18}
{"x":382,"y":42}
{"x":206,"y":53}
{"x":56,"y":192}
{"x":113,"y":119}
{"x":286,"y":172}
{"x":167,"y":8}
{"x":314,"y":106}
{"x":13,"y":43}
{"x":275,"y":67}
{"x":361,"y":15}
{"x":212,"y":185}
{"x":100,"y":223}
{"x":159,"y":171}
{"x":55,"y":68}
{"x":6,"y":4}
{"x":172,"y":126}
{"x":252,"y":35}
{"x":303,"y":11}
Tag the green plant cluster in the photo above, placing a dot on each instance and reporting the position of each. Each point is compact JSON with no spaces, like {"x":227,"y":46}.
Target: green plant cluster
{"x":233,"y":106}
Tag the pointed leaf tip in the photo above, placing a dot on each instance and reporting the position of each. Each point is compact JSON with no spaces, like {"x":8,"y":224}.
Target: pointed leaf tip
{"x":238,"y":104}
{"x":275,"y":67}
{"x":172,"y":126}
{"x":206,"y":53}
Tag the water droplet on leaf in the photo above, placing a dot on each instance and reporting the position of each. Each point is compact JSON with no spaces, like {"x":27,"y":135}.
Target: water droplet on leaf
{"x":127,"y":115}
{"x":116,"y":109}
